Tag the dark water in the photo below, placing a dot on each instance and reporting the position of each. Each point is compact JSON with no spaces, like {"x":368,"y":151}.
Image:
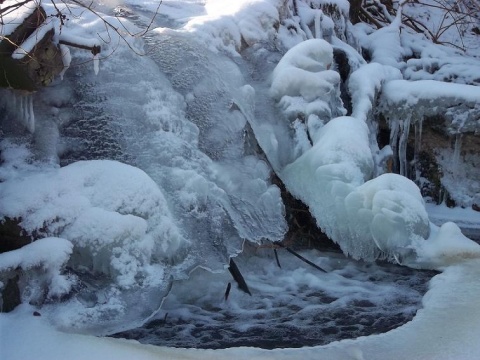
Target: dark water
{"x":290,"y":307}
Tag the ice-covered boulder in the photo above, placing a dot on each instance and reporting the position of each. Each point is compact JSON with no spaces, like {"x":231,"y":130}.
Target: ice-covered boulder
{"x":122,"y":233}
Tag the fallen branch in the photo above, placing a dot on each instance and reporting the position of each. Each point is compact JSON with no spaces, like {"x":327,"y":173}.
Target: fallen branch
{"x":94,"y":49}
{"x":276,"y":258}
{"x":299,"y":256}
{"x":238,"y":277}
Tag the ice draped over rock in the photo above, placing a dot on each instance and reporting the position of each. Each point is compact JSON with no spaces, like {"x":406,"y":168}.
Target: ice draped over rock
{"x":370,"y":218}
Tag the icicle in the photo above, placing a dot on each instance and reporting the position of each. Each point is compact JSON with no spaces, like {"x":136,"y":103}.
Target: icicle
{"x":24,"y":108}
{"x":456,"y":152}
{"x":318,"y":22}
{"x":418,"y":145}
{"x":31,"y":114}
{"x":394,"y":130}
{"x":96,"y":64}
{"x":66,"y":59}
{"x":402,"y":145}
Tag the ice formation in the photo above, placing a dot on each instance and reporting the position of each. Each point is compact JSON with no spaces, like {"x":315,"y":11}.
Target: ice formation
{"x":19,"y":107}
{"x":370,"y":218}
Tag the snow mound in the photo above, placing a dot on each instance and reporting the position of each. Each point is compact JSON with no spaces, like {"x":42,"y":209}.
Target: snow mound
{"x":118,"y":221}
{"x":302,"y":71}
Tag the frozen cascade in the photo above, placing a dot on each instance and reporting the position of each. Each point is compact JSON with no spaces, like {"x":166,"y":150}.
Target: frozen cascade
{"x":205,"y":189}
{"x":218,"y":106}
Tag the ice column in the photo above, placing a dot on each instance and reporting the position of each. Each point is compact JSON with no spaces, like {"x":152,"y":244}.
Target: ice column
{"x":418,"y":145}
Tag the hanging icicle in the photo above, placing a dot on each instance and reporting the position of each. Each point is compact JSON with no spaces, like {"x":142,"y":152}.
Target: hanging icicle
{"x":394,"y":124}
{"x":402,"y":145}
{"x":22,"y":106}
{"x":456,"y":152}
{"x":418,"y":146}
{"x":96,"y":64}
{"x":318,"y":24}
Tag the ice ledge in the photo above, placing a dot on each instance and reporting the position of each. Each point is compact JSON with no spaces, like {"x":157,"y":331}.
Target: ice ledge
{"x":458,"y":103}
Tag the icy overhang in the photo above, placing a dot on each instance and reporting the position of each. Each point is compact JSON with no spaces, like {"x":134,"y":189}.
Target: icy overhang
{"x":457,"y":103}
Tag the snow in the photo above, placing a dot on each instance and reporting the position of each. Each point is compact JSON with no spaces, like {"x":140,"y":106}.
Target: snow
{"x":384,"y":45}
{"x":301,"y":72}
{"x":47,"y":253}
{"x":365,"y":84}
{"x":117,"y":219}
{"x":412,"y":92}
{"x":27,"y":46}
{"x":253,"y":22}
{"x":457,"y":102}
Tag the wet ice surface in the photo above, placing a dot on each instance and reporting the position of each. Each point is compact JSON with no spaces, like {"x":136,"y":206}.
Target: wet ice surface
{"x":292,"y":306}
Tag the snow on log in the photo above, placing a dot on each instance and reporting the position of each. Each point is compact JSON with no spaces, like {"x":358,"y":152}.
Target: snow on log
{"x":31,"y":55}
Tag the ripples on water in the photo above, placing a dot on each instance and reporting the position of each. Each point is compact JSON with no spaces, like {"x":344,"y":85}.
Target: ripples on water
{"x":292,"y":306}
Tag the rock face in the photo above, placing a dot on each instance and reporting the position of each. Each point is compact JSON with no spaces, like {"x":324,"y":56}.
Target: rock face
{"x":12,"y":236}
{"x":445,"y":166}
{"x":39,"y":66}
